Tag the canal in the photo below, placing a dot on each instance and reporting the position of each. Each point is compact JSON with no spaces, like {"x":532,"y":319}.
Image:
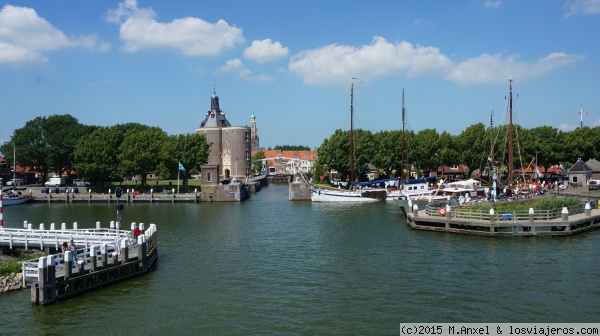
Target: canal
{"x":268,"y":266}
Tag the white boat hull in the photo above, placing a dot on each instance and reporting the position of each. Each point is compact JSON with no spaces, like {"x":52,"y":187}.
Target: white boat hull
{"x":324,"y":195}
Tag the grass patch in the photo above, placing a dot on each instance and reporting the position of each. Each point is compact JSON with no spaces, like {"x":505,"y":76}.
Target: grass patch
{"x":541,"y":204}
{"x":13,"y":265}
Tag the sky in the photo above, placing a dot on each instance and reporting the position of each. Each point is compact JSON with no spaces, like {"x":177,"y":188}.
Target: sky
{"x":292,"y":63}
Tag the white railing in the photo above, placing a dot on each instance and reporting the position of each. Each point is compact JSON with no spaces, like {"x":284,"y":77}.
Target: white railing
{"x":41,"y":239}
{"x":30,"y":268}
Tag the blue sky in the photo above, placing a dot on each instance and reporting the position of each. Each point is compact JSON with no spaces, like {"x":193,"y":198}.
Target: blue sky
{"x":291,"y":64}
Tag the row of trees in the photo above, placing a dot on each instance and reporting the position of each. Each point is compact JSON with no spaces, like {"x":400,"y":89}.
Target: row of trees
{"x":427,"y":149}
{"x":60,"y":144}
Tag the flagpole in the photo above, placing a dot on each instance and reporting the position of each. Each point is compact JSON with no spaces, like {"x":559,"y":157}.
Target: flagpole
{"x":178,"y":172}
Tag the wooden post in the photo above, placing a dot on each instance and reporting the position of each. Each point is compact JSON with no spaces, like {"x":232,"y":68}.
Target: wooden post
{"x":531,"y":220}
{"x":103,"y":256}
{"x":51,"y":279}
{"x":588,"y":209}
{"x":565,"y":218}
{"x":124,"y":252}
{"x":492,"y":220}
{"x":93,"y":258}
{"x":142,"y":249}
{"x":42,"y":280}
{"x":68,"y":262}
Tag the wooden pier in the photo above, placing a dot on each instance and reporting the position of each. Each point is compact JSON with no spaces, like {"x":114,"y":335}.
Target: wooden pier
{"x":105,"y":257}
{"x":464,"y":220}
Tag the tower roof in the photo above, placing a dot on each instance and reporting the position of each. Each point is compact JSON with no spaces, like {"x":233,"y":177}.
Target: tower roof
{"x":215,"y":117}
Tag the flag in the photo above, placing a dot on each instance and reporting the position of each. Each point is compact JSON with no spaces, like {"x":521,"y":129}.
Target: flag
{"x":181,"y":167}
{"x":537,"y":172}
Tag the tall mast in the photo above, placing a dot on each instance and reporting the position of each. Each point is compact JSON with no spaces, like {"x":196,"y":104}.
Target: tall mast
{"x":352,"y":133}
{"x":510,"y":134}
{"x":492,"y":163}
{"x":403,"y":142}
{"x":14,"y":164}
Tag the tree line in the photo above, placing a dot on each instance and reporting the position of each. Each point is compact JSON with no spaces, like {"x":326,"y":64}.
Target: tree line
{"x":426,"y":150}
{"x":60,"y":144}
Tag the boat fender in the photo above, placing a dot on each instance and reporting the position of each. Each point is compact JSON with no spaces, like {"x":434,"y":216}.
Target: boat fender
{"x":443,"y":211}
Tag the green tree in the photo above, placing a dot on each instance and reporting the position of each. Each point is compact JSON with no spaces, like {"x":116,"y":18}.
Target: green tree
{"x":31,"y":146}
{"x":61,"y":133}
{"x":334,"y":153}
{"x":427,"y":149}
{"x":142,"y":151}
{"x":388,"y":151}
{"x":257,"y":165}
{"x":448,"y":152}
{"x":191,"y":150}
{"x":473,"y":145}
{"x":291,"y":148}
{"x":96,"y":154}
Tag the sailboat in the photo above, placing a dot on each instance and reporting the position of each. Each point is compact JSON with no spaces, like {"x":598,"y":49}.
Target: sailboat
{"x":13,"y":196}
{"x":496,"y":183}
{"x":412,"y":191}
{"x":354,"y":194}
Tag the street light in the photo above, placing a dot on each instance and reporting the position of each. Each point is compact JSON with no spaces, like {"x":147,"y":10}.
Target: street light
{"x":581,"y":117}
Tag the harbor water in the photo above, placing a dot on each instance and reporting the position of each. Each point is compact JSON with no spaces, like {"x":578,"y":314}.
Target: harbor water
{"x":268,"y":266}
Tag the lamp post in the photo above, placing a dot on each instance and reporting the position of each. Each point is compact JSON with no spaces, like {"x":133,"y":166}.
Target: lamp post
{"x":581,"y":116}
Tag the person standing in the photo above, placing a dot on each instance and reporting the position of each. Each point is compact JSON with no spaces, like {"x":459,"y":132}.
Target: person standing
{"x":73,"y":249}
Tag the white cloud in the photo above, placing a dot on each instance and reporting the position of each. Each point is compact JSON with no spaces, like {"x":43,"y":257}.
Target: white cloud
{"x":192,"y":36}
{"x":236,"y":66}
{"x":265,"y":51}
{"x":589,"y":7}
{"x":566,"y":127}
{"x":335,"y":64}
{"x":496,"y":68}
{"x":24,"y":35}
{"x":492,"y":3}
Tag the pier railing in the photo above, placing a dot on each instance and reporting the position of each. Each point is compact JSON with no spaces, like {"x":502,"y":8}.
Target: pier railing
{"x":470,"y":213}
{"x":53,"y":239}
{"x":60,"y":276}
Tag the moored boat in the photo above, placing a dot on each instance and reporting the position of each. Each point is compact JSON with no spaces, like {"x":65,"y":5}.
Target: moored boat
{"x":14,"y":197}
{"x":354,"y":194}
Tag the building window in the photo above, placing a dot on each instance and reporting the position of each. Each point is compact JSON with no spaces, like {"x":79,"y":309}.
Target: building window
{"x":247,"y":137}
{"x":208,"y":177}
{"x":247,"y":155}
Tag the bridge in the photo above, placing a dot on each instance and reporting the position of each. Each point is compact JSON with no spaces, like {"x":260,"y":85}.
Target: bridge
{"x":285,"y":165}
{"x":52,"y":238}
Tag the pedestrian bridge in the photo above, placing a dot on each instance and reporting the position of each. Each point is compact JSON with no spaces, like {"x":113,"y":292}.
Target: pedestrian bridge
{"x":53,"y":238}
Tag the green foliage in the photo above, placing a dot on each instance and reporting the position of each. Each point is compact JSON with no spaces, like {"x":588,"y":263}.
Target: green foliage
{"x":541,"y":204}
{"x":96,"y":153}
{"x":257,"y":165}
{"x":47,"y":143}
{"x":143,"y":150}
{"x":13,"y":265}
{"x":193,"y":151}
{"x":291,"y":148}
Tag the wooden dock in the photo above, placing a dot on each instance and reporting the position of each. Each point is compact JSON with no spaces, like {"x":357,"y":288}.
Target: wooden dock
{"x":464,"y":220}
